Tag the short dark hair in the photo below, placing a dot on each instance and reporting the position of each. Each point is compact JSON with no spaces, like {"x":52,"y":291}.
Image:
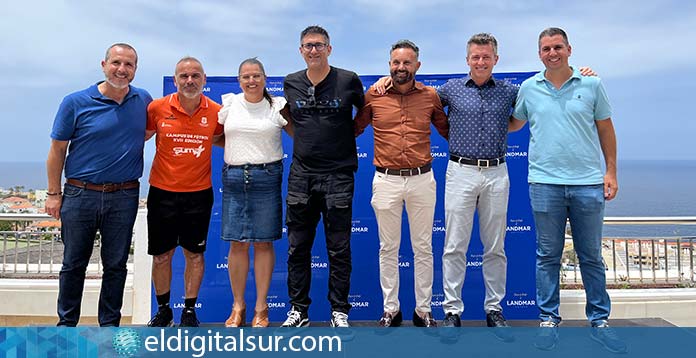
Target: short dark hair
{"x":189,"y":59}
{"x":315,"y":29}
{"x":120,"y":44}
{"x":553,"y":31}
{"x":483,"y":39}
{"x":405,"y":44}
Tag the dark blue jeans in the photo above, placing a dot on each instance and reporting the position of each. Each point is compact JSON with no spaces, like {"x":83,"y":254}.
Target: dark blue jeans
{"x":83,"y":212}
{"x":309,"y":197}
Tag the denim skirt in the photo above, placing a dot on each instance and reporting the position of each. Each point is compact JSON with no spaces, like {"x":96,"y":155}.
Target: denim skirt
{"x":251,"y":202}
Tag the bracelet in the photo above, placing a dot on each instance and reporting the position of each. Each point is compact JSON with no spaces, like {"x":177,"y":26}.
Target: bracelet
{"x":56,"y":193}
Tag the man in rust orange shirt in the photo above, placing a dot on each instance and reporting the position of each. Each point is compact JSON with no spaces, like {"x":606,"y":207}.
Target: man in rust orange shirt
{"x":181,"y":195}
{"x":401,"y":122}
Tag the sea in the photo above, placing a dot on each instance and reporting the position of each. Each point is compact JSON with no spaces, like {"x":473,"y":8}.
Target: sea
{"x":646,"y":188}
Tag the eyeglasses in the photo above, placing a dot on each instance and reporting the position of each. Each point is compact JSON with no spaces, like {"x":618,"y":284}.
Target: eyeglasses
{"x":249,"y":76}
{"x":320,"y":46}
{"x":311,"y":101}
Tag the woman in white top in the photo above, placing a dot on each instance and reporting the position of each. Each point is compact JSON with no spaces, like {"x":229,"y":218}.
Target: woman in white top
{"x":251,"y":198}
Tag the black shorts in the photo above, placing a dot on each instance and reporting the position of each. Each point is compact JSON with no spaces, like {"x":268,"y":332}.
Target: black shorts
{"x":178,"y":218}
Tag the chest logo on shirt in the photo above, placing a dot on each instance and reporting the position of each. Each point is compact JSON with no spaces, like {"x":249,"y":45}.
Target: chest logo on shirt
{"x":179,"y":151}
{"x":166,"y":125}
{"x":204,"y":122}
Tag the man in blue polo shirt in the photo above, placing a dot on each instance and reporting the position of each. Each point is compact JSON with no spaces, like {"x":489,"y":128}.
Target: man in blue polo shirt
{"x":570,"y":129}
{"x":102,"y":131}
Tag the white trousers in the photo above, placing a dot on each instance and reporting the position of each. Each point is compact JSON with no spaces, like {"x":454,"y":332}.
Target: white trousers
{"x":468,"y":188}
{"x":389,"y":194}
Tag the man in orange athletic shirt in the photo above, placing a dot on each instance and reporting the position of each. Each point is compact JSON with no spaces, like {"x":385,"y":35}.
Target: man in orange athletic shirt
{"x":181,"y":196}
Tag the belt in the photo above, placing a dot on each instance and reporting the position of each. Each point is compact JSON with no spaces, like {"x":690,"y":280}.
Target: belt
{"x":481,"y":163}
{"x":106,"y":187}
{"x":260,"y":166}
{"x":406,"y":172}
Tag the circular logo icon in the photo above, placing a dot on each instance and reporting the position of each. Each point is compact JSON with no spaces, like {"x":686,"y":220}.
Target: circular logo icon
{"x":126,"y":342}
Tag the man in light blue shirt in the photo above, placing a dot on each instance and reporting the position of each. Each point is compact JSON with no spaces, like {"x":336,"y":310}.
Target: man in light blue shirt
{"x":570,"y":123}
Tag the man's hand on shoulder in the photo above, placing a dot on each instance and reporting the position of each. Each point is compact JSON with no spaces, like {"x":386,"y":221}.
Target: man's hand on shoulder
{"x":587,"y":71}
{"x":382,"y":85}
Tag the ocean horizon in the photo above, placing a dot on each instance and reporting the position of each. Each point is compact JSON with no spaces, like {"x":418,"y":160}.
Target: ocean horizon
{"x":646,"y":188}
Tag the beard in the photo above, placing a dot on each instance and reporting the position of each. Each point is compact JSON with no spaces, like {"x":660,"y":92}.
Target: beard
{"x":191,"y":94}
{"x":119,"y":86}
{"x":401,"y":77}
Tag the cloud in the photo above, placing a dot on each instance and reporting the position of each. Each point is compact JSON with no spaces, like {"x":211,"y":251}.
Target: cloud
{"x":55,"y":48}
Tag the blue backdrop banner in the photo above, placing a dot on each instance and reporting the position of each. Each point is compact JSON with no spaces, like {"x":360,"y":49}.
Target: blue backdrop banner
{"x":215,"y":298}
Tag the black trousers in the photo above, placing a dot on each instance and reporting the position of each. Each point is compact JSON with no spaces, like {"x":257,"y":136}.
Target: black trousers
{"x":311,"y":196}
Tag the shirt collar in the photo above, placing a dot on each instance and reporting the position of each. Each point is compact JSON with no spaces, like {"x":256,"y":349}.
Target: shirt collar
{"x":469,"y":82}
{"x":418,"y":86}
{"x":93,"y":92}
{"x":539,"y":77}
{"x":174,"y":102}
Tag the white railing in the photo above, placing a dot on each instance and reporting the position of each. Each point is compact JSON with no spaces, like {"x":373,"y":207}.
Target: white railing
{"x":32,"y":252}
{"x":651,"y":261}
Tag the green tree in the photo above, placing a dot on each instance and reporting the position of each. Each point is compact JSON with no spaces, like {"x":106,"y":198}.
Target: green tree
{"x":6,"y":226}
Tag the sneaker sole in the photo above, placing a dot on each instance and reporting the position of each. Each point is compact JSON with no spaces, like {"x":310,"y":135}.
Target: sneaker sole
{"x":170,"y":324}
{"x":596,"y":339}
{"x":552,"y":347}
{"x":303,"y":323}
{"x":505,"y":337}
{"x":335,"y":326}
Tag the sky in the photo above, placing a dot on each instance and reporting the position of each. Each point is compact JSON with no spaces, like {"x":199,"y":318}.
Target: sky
{"x":644,"y":51}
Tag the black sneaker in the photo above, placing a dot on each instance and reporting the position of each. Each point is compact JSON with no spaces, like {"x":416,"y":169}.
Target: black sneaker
{"x":452,"y":320}
{"x":450,"y":336}
{"x":188,"y":318}
{"x":496,"y":320}
{"x":391,"y":319}
{"x":163,"y":318}
{"x":296,"y":318}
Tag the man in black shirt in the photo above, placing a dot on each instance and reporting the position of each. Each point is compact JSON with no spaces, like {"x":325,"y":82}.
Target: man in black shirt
{"x":321,"y":100}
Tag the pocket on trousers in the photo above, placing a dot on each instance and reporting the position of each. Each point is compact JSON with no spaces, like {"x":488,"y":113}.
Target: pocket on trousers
{"x":71,"y":191}
{"x":297,"y":198}
{"x":297,"y":212}
{"x":339,"y":200}
{"x":339,"y":211}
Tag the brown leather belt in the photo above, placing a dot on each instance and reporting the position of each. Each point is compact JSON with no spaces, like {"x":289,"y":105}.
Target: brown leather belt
{"x":406,"y":172}
{"x":104,"y":188}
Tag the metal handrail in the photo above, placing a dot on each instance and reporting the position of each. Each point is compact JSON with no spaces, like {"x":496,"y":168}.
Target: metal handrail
{"x":669,"y":259}
{"x":22,"y":260}
{"x":650,"y":220}
{"x":625,"y":266}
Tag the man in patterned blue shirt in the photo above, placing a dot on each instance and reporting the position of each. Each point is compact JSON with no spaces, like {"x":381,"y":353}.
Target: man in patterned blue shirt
{"x":477,"y":178}
{"x":479,"y":112}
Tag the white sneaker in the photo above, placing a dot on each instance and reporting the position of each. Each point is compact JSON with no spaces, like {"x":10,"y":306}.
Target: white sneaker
{"x":296,"y":318}
{"x":547,"y":336}
{"x":339,"y":320}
